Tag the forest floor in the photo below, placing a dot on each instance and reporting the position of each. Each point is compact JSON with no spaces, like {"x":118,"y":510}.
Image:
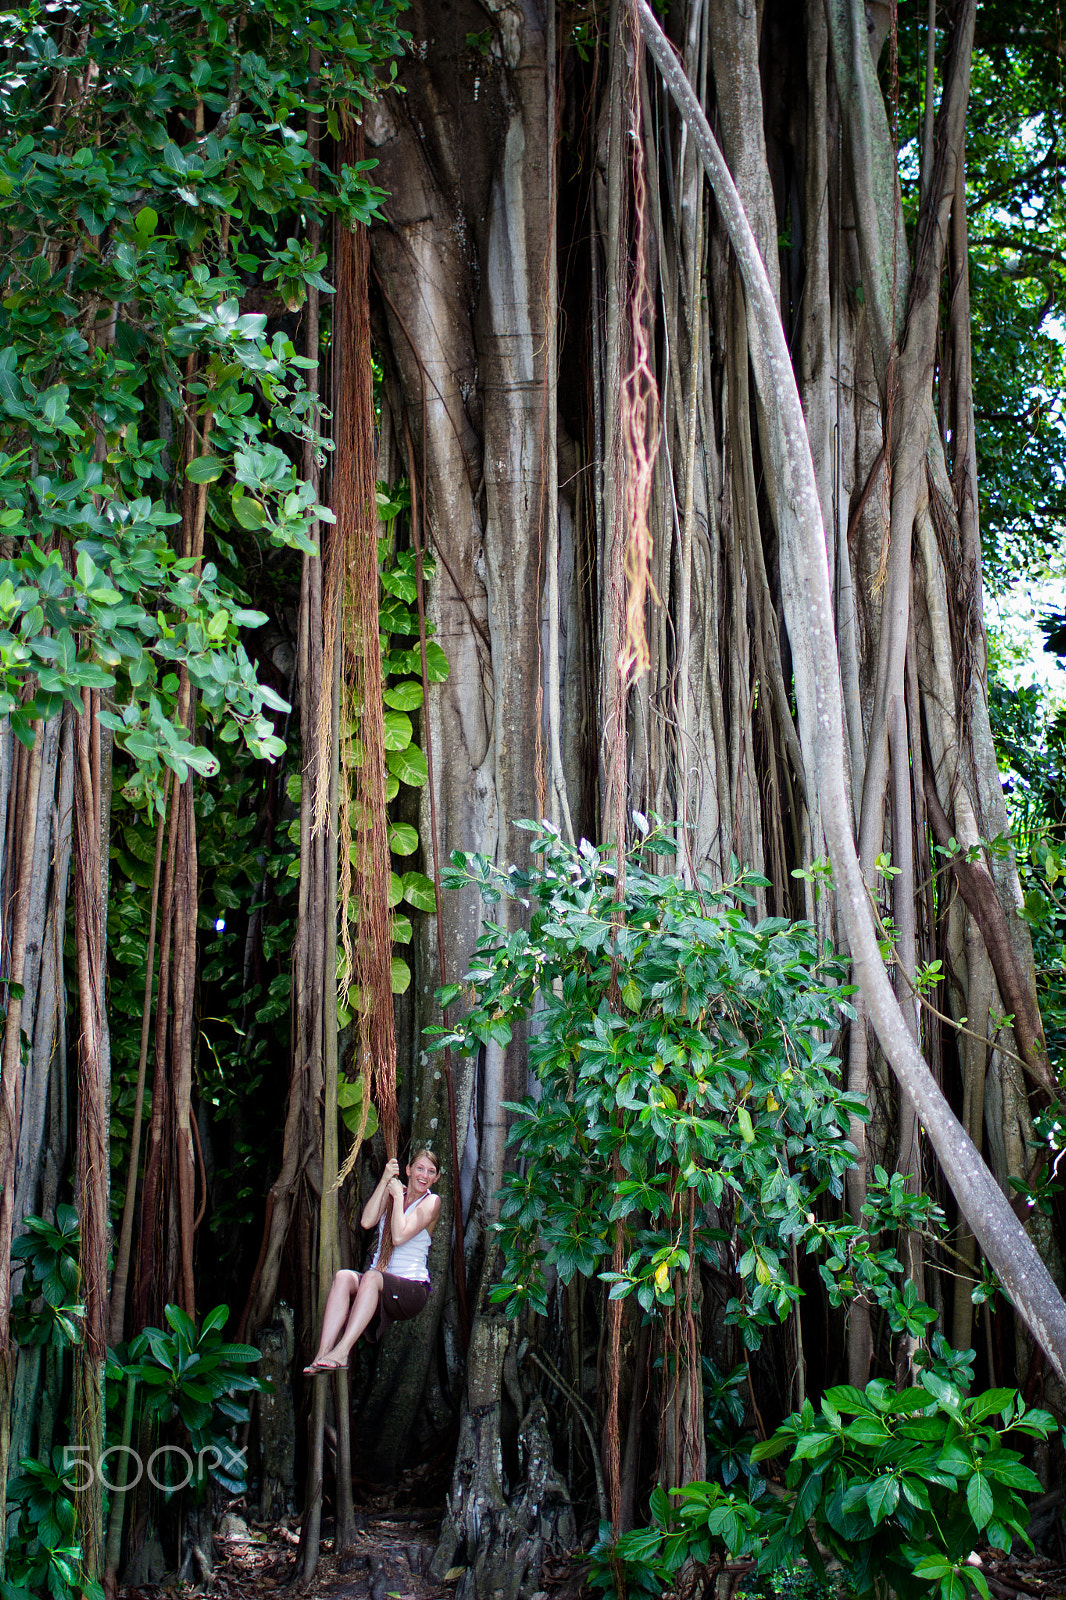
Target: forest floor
{"x":394,"y":1547}
{"x":398,"y":1536}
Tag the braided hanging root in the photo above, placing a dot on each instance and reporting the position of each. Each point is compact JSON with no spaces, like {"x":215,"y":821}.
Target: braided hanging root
{"x":640,"y":399}
{"x":351,"y":611}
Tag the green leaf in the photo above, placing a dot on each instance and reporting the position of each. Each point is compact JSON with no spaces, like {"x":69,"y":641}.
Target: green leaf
{"x":882,"y":1497}
{"x":403,"y":838}
{"x":215,"y":1318}
{"x":979,"y":1499}
{"x":182,"y":1324}
{"x":400,"y":975}
{"x":202,"y":761}
{"x":405,"y":696}
{"x":933,"y":1566}
{"x":991,"y":1402}
{"x":400,"y":584}
{"x":437,"y":667}
{"x":418,"y":891}
{"x":1007,"y":1469}
{"x":631,"y":995}
{"x":248,"y":513}
{"x":398,"y":730}
{"x":408,"y":765}
{"x":205,"y":469}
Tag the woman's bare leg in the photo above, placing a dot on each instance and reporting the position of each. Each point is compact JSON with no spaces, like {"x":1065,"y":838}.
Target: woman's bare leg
{"x":367,"y":1299}
{"x":343,"y":1291}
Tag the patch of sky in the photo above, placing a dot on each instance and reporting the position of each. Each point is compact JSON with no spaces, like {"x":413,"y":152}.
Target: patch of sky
{"x":1015,"y":619}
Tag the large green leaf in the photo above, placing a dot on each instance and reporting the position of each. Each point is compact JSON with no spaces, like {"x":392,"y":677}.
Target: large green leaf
{"x":398,"y":730}
{"x":205,"y":469}
{"x":409,"y":766}
{"x":882,"y":1497}
{"x":403,"y":838}
{"x":437,"y":667}
{"x":406,"y":696}
{"x":418,"y":891}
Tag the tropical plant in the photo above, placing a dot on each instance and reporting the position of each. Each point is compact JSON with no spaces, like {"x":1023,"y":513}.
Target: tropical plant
{"x":689,"y":1099}
{"x":189,"y":1378}
{"x":46,"y":1309}
{"x":44,"y":1555}
{"x":158,"y":434}
{"x":899,"y":1488}
{"x":688,"y":1091}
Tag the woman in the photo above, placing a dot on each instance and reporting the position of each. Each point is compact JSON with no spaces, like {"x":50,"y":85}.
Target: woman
{"x":395,"y":1286}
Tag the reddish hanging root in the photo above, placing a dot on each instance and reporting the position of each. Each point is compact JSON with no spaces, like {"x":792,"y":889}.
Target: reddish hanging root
{"x":638,"y":418}
{"x":640,"y":403}
{"x":351,"y":617}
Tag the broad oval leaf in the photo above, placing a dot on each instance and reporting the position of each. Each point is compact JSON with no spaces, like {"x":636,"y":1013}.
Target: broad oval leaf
{"x":398,"y":730}
{"x":418,"y":891}
{"x":882,"y":1497}
{"x":403,"y":839}
{"x":406,"y":696}
{"x":205,"y":469}
{"x":408,"y":765}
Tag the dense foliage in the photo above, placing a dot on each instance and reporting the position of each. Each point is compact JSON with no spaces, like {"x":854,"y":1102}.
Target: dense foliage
{"x":688,"y":1101}
{"x":167,"y":192}
{"x":153,"y":157}
{"x":898,"y":1488}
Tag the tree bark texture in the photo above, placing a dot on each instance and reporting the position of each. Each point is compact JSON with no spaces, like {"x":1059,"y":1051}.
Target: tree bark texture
{"x":812,"y":567}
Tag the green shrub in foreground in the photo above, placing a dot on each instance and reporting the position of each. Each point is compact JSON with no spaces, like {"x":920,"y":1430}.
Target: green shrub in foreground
{"x":899,"y":1488}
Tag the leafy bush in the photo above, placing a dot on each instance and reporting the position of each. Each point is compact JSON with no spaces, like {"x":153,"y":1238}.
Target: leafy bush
{"x":901,"y":1486}
{"x":898,"y":1487}
{"x":43,"y":1552}
{"x":133,"y":213}
{"x":684,"y":1061}
{"x":191,"y":1378}
{"x":708,"y":1526}
{"x":46,"y":1309}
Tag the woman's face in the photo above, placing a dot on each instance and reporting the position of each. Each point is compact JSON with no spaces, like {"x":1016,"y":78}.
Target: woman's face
{"x":421,"y":1175}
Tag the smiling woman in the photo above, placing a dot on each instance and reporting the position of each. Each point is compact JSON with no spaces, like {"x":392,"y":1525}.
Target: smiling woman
{"x":396,"y":1285}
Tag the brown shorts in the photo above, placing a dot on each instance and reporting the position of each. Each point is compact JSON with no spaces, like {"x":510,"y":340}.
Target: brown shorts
{"x":401,"y":1299}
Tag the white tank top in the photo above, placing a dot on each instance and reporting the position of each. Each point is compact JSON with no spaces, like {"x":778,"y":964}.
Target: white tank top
{"x":408,"y":1260}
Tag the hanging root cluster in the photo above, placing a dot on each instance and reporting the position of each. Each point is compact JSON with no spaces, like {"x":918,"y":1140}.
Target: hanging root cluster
{"x":351,"y":626}
{"x":640,"y":407}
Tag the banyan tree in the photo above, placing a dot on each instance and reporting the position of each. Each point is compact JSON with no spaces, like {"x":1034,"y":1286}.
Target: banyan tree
{"x":665,"y":381}
{"x":697,"y":463}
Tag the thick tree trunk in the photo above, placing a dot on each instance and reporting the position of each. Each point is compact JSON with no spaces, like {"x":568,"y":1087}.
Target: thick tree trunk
{"x":461,"y":270}
{"x":1008,"y":1248}
{"x":816,"y":663}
